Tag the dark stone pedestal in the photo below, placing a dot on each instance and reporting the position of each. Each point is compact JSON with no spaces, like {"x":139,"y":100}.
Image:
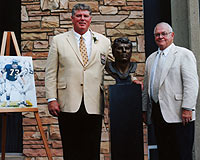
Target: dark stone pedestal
{"x":126,"y":122}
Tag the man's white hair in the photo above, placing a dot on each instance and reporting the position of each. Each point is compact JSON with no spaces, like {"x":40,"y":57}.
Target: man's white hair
{"x":166,"y":24}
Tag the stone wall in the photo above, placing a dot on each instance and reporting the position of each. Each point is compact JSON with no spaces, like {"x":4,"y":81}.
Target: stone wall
{"x":40,"y":21}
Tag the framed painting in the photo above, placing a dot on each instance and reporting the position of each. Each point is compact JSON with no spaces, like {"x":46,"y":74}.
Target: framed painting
{"x":17,"y":85}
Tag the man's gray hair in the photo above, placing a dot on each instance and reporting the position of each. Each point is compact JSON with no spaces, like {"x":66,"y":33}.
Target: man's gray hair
{"x":166,"y":24}
{"x":81,"y":6}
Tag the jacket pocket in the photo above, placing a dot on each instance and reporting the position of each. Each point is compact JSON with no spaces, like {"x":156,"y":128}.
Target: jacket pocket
{"x":62,"y":85}
{"x":178,"y":97}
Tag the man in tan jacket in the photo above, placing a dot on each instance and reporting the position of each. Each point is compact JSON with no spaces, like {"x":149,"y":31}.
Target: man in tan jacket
{"x":74,"y":85}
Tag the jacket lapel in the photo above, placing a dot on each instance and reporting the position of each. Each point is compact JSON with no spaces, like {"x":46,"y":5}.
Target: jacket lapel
{"x":72,"y":41}
{"x":151,"y":64}
{"x":93,"y":48}
{"x":168,"y":63}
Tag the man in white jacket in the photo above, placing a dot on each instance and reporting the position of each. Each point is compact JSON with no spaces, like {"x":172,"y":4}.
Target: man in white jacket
{"x":170,"y":95}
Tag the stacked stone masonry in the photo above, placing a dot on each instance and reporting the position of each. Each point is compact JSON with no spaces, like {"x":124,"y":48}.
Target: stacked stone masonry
{"x":40,"y":21}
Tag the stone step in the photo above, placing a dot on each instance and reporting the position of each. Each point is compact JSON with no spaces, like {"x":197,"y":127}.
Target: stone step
{"x":13,"y":157}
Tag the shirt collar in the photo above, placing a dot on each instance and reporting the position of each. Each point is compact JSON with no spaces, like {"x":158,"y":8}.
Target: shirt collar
{"x":85,"y":35}
{"x":166,"y":50}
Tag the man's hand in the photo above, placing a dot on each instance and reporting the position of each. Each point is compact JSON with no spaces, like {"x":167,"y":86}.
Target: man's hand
{"x":144,"y":117}
{"x":186,"y":116}
{"x":54,"y":108}
{"x":139,"y":82}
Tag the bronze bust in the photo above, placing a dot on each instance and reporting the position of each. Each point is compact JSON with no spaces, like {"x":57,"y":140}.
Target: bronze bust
{"x":121,"y":68}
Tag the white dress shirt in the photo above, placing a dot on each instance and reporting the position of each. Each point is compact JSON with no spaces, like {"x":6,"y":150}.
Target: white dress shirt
{"x":165,"y":53}
{"x":87,"y":37}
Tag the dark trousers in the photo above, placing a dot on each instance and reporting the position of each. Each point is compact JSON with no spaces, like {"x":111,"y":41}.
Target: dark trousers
{"x":174,"y":140}
{"x":80,"y":134}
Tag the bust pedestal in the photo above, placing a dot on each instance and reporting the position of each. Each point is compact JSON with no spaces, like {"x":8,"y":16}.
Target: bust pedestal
{"x":125,"y":102}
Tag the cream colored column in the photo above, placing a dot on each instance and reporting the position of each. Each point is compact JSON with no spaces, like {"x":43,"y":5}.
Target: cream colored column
{"x":194,"y":45}
{"x":185,"y":22}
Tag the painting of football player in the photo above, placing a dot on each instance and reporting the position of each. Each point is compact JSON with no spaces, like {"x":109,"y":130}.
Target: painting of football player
{"x":2,"y":87}
{"x":13,"y":80}
{"x":26,"y":74}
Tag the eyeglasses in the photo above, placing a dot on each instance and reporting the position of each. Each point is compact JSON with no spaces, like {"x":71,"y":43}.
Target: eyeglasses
{"x":163,"y":34}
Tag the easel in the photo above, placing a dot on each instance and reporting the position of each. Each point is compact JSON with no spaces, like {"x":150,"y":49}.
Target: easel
{"x":6,"y":40}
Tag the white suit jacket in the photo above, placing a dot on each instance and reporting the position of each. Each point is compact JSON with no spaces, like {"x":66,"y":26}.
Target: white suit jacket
{"x":68,"y":80}
{"x":178,"y":84}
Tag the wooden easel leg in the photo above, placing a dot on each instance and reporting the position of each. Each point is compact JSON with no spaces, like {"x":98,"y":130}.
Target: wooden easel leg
{"x":8,"y":44}
{"x":3,"y":146}
{"x":15,"y":44}
{"x":3,"y":44}
{"x":43,"y":135}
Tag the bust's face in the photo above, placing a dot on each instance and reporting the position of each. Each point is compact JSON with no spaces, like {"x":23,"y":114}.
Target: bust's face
{"x":122,"y":52}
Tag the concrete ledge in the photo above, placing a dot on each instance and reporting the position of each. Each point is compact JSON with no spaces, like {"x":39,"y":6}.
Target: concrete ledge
{"x":13,"y":157}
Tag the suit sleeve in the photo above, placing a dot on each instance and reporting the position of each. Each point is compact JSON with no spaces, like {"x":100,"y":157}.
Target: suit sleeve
{"x":190,"y":80}
{"x":145,"y":90}
{"x":51,"y":71}
{"x":110,"y":55}
{"x":109,"y":51}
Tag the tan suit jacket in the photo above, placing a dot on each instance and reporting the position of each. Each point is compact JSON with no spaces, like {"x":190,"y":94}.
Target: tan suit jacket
{"x":68,"y":80}
{"x":178,"y":85}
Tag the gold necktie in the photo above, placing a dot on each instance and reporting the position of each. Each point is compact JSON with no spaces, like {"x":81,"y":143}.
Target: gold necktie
{"x":83,"y":51}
